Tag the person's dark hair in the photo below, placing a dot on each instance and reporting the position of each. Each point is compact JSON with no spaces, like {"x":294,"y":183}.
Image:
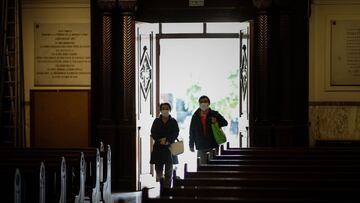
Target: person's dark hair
{"x":165,"y":104}
{"x":204,"y":97}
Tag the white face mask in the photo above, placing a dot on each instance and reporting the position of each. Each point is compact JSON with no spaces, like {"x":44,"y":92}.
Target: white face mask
{"x":204,"y":106}
{"x":165,"y":113}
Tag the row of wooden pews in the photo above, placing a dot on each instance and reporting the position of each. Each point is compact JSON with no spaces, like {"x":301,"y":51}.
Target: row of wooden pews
{"x":306,"y":175}
{"x":55,"y":174}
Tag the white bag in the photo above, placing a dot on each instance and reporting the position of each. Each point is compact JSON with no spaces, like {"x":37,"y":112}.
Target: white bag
{"x":177,"y":148}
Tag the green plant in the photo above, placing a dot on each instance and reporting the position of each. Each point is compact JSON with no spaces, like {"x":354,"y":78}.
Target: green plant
{"x":227,"y":105}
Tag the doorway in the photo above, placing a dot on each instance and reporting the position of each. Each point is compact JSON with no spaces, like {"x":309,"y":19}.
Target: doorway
{"x":194,"y":59}
{"x":204,"y":59}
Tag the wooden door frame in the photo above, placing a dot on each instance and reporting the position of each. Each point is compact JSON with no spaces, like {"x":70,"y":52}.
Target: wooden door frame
{"x":197,"y":36}
{"x":280,"y":59}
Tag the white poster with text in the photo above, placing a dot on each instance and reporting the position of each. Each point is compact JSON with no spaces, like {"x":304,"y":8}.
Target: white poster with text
{"x":62,"y":54}
{"x":345,"y":53}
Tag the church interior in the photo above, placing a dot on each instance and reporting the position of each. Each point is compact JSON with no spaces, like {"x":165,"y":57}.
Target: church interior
{"x":82,"y":82}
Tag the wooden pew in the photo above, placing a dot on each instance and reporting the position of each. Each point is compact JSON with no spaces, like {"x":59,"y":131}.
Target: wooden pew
{"x":267,"y":182}
{"x":291,"y":188}
{"x":279,"y":168}
{"x":181,"y":199}
{"x":301,"y":159}
{"x":293,"y":151}
{"x":63,"y":178}
{"x":307,"y":155}
{"x":305,"y":168}
{"x":267,"y":174}
{"x":285,"y":156}
{"x":325,"y":161}
{"x":96,"y":193}
{"x":28,"y":162}
{"x":303,"y":190}
{"x":99,"y":194}
{"x":42,"y":183}
{"x":106,"y":186}
{"x":338,"y":193}
{"x":17,"y":187}
{"x":43,"y":188}
{"x":278,"y":175}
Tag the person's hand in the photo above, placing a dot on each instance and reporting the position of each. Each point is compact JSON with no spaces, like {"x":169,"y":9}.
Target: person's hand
{"x":192,"y":149}
{"x":162,"y":141}
{"x":213,"y":119}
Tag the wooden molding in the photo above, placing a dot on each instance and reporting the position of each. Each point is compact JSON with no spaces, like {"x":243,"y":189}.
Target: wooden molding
{"x":335,"y":2}
{"x":56,"y":4}
{"x":334,"y":103}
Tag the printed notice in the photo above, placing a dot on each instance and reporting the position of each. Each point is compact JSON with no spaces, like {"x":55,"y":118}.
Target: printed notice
{"x":345,"y":53}
{"x":62,"y":54}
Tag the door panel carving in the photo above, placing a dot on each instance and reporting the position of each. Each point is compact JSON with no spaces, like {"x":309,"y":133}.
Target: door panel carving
{"x":145,"y":63}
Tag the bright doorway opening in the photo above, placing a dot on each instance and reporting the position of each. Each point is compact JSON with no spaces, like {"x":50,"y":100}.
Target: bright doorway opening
{"x":210,"y":61}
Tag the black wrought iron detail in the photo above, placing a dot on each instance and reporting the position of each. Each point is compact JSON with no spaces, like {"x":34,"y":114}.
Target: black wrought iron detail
{"x":244,"y":72}
{"x":145,"y":73}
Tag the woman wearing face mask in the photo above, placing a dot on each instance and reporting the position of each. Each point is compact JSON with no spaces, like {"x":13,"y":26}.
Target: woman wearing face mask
{"x":164,"y":131}
{"x":201,"y":134}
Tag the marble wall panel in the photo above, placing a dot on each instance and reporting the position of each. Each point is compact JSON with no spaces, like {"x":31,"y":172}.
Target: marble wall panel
{"x":334,"y":121}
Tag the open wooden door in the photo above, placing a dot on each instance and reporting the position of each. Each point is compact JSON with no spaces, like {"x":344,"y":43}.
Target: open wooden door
{"x":146,"y":98}
{"x":244,"y":89}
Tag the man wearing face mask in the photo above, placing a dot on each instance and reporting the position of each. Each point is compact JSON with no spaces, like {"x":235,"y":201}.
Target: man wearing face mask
{"x":164,"y":131}
{"x":201,"y":134}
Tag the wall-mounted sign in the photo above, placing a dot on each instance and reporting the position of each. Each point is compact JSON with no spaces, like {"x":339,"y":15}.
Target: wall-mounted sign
{"x":193,"y":3}
{"x":345,"y":53}
{"x":62,"y":54}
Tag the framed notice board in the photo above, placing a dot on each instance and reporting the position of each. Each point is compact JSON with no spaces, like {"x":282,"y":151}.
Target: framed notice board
{"x":60,"y":118}
{"x":345,"y":54}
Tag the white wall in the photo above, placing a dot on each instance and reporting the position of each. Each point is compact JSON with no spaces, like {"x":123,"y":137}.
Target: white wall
{"x":334,"y":111}
{"x":46,"y":11}
{"x":323,"y":117}
{"x":322,"y":12}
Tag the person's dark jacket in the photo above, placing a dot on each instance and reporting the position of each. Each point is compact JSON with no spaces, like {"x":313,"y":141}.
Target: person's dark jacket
{"x":161,"y":153}
{"x":197,"y":136}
